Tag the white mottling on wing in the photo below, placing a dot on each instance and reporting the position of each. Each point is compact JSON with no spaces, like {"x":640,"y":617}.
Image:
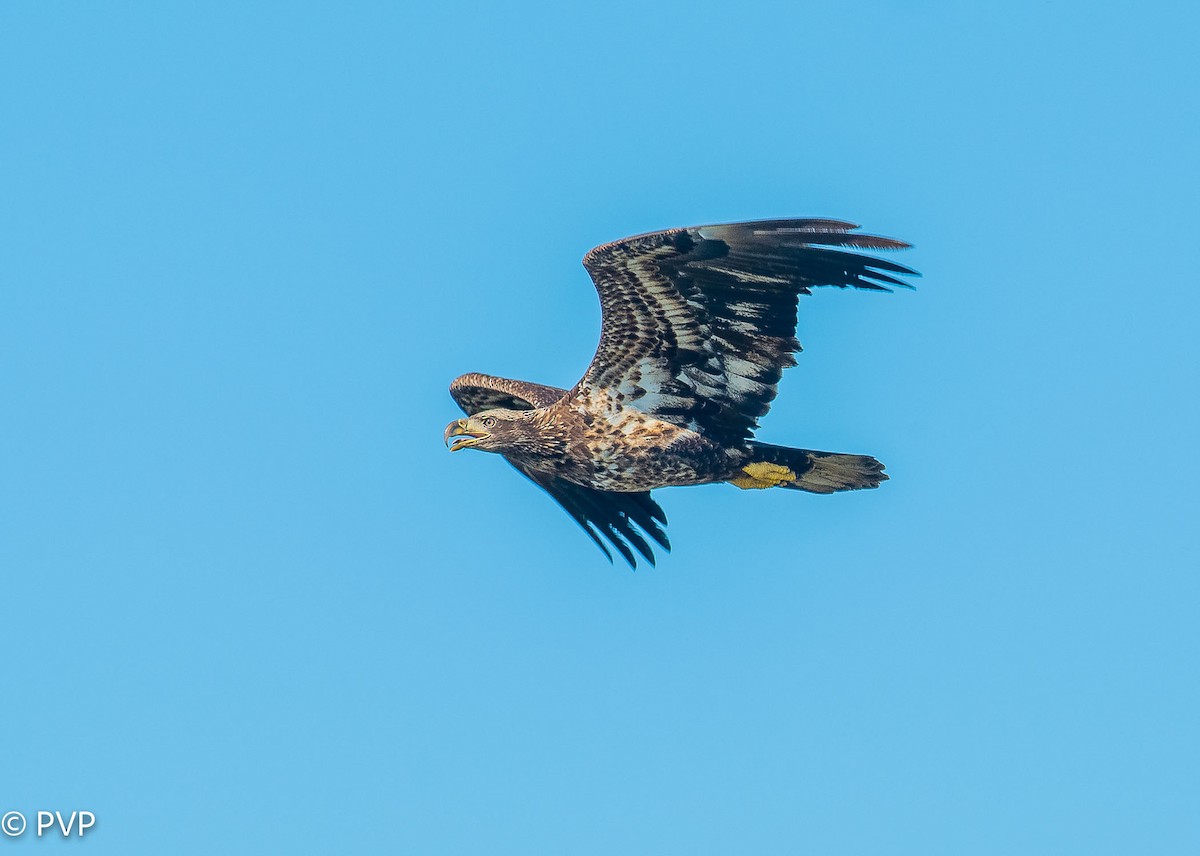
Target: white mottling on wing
{"x":745,"y":368}
{"x":744,"y":387}
{"x":746,"y":276}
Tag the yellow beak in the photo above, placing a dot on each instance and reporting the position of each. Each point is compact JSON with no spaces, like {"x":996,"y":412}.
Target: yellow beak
{"x":458,"y":428}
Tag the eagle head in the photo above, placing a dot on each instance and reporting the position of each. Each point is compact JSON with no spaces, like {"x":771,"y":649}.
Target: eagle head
{"x":495,"y":430}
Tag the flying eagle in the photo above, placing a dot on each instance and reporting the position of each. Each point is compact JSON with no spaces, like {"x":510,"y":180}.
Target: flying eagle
{"x":698,"y":326}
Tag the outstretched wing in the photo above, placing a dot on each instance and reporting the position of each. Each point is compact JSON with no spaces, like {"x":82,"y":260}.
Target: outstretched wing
{"x":609,"y":515}
{"x":699,"y":324}
{"x":475,"y":392}
{"x":601,"y":514}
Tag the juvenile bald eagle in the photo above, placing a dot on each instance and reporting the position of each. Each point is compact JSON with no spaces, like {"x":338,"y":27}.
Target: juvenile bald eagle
{"x":698,"y":326}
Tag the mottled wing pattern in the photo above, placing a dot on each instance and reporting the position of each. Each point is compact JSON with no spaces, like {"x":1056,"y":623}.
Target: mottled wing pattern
{"x":475,"y":392}
{"x":601,"y":514}
{"x":699,"y":324}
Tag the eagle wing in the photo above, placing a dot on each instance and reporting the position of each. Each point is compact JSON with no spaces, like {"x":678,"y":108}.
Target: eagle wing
{"x":699,"y":324}
{"x":476,"y":392}
{"x":601,"y":514}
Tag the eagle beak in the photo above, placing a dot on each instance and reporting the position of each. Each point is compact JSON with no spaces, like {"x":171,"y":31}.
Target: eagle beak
{"x":458,"y":428}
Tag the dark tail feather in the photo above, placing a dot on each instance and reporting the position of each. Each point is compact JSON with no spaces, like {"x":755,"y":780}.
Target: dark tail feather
{"x":805,"y":469}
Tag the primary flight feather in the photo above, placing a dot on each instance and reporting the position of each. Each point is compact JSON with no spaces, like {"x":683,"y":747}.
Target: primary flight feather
{"x":697,"y":327}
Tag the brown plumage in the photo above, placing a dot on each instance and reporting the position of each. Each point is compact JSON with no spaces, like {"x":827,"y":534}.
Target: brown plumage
{"x":698,"y":326}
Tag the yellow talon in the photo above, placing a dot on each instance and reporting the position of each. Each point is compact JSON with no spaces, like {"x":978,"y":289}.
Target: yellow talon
{"x":761,"y":475}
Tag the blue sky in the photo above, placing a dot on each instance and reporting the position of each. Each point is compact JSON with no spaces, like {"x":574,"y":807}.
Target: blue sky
{"x":250,"y":603}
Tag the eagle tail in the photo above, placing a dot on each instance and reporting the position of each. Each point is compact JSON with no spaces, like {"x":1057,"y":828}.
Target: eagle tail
{"x":805,"y":469}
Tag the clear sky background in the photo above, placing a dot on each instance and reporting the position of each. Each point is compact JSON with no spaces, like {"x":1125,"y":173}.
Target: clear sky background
{"x":250,"y":604}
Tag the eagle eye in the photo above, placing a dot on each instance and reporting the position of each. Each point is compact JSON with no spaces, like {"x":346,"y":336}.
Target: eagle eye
{"x":489,"y":422}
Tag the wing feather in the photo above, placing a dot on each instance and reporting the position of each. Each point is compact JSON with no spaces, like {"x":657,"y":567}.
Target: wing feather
{"x":608,"y":515}
{"x":475,"y":392}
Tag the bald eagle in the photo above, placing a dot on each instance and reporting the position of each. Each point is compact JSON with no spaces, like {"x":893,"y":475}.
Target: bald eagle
{"x":698,"y":326}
